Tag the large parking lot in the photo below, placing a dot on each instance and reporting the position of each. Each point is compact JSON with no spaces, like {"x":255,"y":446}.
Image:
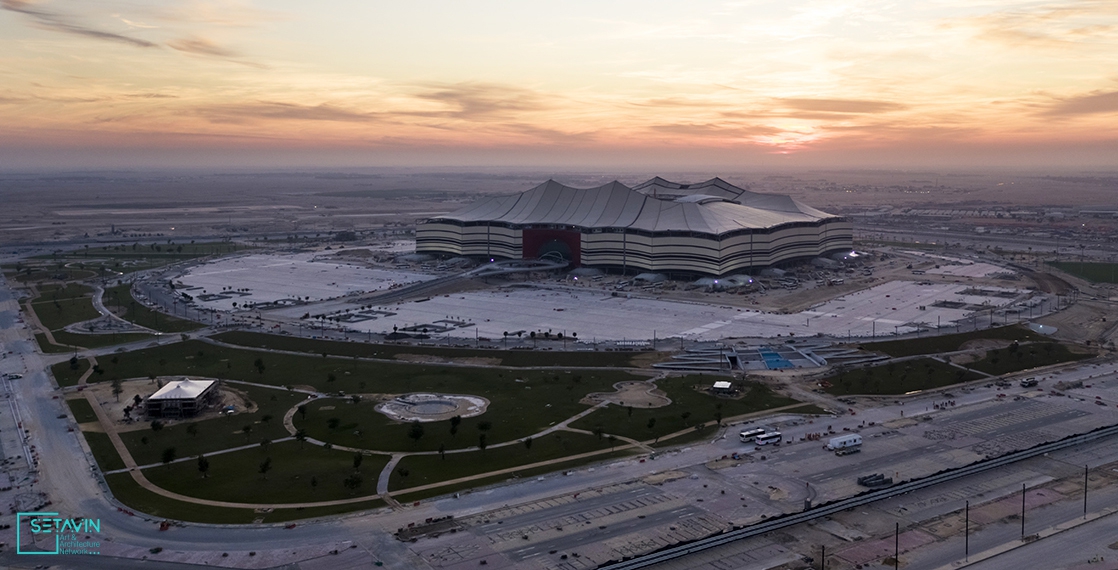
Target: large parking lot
{"x":887,"y":309}
{"x":267,"y":278}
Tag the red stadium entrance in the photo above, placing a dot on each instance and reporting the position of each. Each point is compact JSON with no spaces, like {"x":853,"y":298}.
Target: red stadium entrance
{"x":537,"y":243}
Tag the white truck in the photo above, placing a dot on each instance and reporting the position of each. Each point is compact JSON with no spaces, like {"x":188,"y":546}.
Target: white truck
{"x":845,"y":444}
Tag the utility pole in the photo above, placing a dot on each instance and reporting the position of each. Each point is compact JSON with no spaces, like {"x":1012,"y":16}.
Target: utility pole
{"x":897,"y":547}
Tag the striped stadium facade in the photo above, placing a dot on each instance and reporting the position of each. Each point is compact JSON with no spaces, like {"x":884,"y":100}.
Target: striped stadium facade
{"x":710,"y":228}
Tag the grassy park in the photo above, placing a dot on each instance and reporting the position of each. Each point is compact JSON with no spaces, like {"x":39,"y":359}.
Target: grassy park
{"x":1097,"y":272}
{"x":119,"y":299}
{"x":296,"y":473}
{"x":949,"y":342}
{"x":523,"y":402}
{"x":515,"y":358}
{"x":83,"y":412}
{"x":898,"y":378}
{"x":418,"y":470}
{"x":1022,"y":357}
{"x":264,"y":419}
{"x":691,"y":405}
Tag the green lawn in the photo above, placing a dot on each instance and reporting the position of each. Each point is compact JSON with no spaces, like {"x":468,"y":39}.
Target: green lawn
{"x":82,"y":411}
{"x":1014,"y":358}
{"x":103,"y":451}
{"x":427,"y":469}
{"x":1097,"y":272}
{"x":408,"y":497}
{"x":57,"y":313}
{"x":60,"y":306}
{"x":898,"y":378}
{"x":217,"y":433}
{"x":96,"y":340}
{"x":128,"y":491}
{"x":284,"y":515}
{"x":236,"y":477}
{"x":120,"y":299}
{"x":66,"y":374}
{"x":948,"y":342}
{"x":45,"y":273}
{"x":688,"y":397}
{"x":518,"y":358}
{"x":517,"y":409}
{"x":48,"y":348}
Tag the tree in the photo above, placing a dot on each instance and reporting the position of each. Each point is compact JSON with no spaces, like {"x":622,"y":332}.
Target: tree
{"x":192,"y":429}
{"x":118,"y":388}
{"x":629,"y":410}
{"x":442,"y":451}
{"x":599,"y":431}
{"x":259,"y":364}
{"x":168,"y":455}
{"x":612,"y":440}
{"x":485,"y":426}
{"x":333,"y":423}
{"x":156,"y":425}
{"x":203,"y":465}
{"x":302,"y":411}
{"x":685,"y":415}
{"x":266,"y":418}
{"x":301,"y":436}
{"x":264,"y":443}
{"x":353,"y":482}
{"x":357,"y":458}
{"x":314,"y":483}
{"x":481,"y":443}
{"x":415,"y":431}
{"x":330,"y":377}
{"x":265,"y":467}
{"x":651,"y":423}
{"x":528,"y":444}
{"x":248,"y":431}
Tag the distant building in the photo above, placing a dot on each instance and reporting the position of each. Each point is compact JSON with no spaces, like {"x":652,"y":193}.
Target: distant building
{"x":709,"y":228}
{"x":722,"y":387}
{"x":181,"y":398}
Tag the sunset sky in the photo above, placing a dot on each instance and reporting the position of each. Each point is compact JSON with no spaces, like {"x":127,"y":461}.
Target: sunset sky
{"x":804,"y":83}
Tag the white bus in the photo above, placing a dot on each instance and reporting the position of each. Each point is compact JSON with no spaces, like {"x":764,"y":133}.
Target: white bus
{"x":750,"y":436}
{"x":767,"y":438}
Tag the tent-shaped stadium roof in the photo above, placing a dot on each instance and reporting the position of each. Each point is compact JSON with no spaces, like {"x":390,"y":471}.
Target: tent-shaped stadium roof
{"x":711,"y":207}
{"x":182,"y":390}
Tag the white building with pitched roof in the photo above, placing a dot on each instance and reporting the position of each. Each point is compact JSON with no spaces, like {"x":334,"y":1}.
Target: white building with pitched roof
{"x":180,"y":398}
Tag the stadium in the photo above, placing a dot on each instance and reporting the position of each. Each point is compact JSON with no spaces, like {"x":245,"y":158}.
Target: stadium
{"x":709,"y":228}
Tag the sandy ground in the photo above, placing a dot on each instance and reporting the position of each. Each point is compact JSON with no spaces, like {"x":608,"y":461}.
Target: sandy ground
{"x":635,"y":394}
{"x":432,"y":359}
{"x":144,"y":387}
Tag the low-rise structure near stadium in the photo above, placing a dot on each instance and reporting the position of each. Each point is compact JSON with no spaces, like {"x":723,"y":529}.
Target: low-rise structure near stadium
{"x":709,"y":228}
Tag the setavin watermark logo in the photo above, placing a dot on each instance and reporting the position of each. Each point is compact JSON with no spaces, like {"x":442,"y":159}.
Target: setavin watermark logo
{"x":71,"y":535}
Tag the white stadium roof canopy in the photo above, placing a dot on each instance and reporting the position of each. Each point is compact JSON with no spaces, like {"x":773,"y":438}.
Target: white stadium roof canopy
{"x":711,"y":207}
